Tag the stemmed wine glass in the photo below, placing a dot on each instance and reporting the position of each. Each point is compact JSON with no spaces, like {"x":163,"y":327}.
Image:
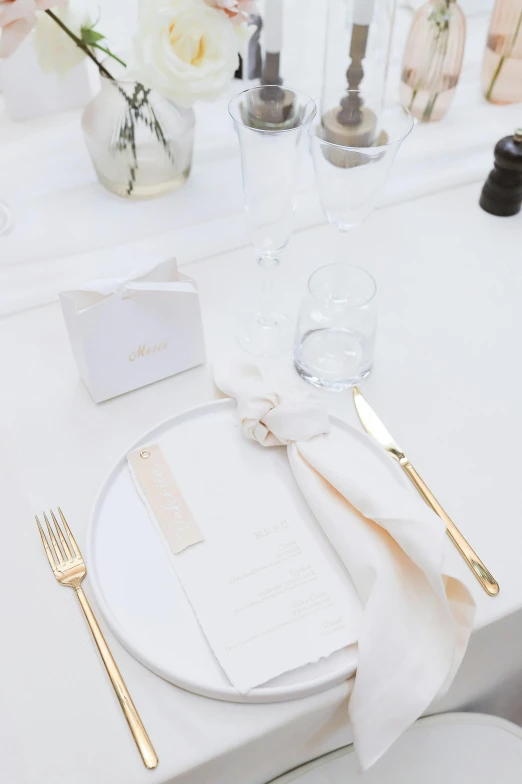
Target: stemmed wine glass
{"x":329,"y":350}
{"x":350,"y":178}
{"x":5,"y":218}
{"x":271,"y":122}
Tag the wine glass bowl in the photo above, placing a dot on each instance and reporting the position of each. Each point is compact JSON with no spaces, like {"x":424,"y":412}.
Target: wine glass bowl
{"x":350,"y":177}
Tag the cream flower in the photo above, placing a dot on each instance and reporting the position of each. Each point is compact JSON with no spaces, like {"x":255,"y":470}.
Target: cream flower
{"x":17,"y":18}
{"x":56,"y":52}
{"x":185,"y":49}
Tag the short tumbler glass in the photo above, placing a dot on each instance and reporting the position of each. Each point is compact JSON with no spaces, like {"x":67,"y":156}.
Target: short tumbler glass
{"x":336,"y":328}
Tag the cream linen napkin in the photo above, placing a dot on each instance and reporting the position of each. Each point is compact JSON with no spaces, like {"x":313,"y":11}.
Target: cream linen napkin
{"x":417,"y":618}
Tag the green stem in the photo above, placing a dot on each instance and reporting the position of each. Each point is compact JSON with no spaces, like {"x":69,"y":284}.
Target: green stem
{"x":108,"y":52}
{"x":507,"y":55}
{"x":428,"y":111}
{"x":494,"y":78}
{"x":136,"y":103}
{"x":81,"y":44}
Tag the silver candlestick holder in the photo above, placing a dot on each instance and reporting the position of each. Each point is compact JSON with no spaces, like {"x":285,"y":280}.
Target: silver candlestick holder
{"x":358,"y":36}
{"x":271,"y":107}
{"x":351,"y":124}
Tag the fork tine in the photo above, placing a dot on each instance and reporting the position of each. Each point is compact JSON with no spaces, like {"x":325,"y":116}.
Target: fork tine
{"x":46,"y":546}
{"x":69,"y":534}
{"x":65,"y":546}
{"x":56,"y":548}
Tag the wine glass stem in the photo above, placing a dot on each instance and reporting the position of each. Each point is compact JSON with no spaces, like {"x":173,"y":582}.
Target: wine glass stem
{"x":268,"y":265}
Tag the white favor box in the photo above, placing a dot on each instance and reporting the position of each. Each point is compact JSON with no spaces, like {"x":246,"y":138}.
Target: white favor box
{"x":126,"y":333}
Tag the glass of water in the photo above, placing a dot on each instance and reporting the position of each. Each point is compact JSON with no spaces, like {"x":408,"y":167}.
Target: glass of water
{"x":335,"y":336}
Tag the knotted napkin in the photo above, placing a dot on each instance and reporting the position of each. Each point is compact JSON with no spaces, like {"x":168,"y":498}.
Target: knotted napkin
{"x":417,"y":618}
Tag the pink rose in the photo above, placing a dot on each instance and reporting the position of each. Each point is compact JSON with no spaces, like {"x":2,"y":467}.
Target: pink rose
{"x":17,"y":18}
{"x":237,"y":10}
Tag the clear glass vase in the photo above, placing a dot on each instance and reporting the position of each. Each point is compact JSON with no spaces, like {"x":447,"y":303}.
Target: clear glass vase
{"x":502,"y":66}
{"x":433,"y":59}
{"x":140,"y":143}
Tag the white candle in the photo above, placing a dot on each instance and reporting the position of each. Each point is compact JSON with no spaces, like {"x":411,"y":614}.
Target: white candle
{"x":273,"y":25}
{"x":363,"y":12}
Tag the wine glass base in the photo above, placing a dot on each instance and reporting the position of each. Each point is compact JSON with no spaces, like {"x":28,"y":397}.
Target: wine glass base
{"x":5,"y":218}
{"x":264,"y":336}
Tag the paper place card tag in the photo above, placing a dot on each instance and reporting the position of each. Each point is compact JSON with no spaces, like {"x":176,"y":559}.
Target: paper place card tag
{"x":160,"y":491}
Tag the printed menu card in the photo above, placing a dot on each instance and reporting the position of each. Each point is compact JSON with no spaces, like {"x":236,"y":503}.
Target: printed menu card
{"x":264,"y":583}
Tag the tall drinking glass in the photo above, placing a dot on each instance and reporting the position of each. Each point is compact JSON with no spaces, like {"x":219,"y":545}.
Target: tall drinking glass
{"x":271,"y":123}
{"x":5,"y":218}
{"x":336,"y":329}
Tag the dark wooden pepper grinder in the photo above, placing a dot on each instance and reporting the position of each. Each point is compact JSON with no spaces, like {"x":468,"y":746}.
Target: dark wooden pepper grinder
{"x":502,"y":192}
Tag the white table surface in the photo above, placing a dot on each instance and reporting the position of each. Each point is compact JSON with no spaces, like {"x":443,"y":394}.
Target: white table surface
{"x":447,"y":381}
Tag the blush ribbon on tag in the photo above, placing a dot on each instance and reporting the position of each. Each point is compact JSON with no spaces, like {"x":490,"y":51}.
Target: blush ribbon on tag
{"x":164,"y":499}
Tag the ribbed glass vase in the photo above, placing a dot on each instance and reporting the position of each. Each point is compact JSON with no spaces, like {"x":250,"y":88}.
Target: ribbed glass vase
{"x":502,"y":66}
{"x":433,"y":59}
{"x":140,"y":143}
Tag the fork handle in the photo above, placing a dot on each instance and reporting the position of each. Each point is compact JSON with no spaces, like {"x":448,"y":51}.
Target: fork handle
{"x":482,"y":574}
{"x":139,"y":732}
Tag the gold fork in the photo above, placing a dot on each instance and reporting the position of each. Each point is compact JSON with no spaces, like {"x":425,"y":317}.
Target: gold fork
{"x":69,"y":569}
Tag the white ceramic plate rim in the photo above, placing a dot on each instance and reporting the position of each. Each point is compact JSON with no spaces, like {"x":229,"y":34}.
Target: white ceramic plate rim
{"x":263,"y":693}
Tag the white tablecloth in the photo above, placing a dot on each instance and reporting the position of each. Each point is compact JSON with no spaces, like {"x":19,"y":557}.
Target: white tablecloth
{"x":447,"y":381}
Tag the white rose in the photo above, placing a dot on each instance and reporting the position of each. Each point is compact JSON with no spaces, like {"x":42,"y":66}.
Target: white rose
{"x":185,"y":49}
{"x":57,"y":52}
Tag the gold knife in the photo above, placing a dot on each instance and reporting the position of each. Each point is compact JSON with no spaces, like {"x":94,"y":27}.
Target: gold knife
{"x":373,"y":425}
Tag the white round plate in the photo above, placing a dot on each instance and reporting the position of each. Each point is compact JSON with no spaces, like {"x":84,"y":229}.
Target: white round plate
{"x":139,"y":593}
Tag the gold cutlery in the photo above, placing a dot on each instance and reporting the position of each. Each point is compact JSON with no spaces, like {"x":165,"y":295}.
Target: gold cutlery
{"x":373,"y":425}
{"x":69,"y":569}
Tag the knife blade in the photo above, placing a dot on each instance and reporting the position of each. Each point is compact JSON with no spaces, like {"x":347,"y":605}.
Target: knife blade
{"x":375,"y":428}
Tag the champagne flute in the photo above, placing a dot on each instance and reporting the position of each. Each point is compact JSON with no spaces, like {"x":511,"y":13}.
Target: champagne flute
{"x":271,"y":123}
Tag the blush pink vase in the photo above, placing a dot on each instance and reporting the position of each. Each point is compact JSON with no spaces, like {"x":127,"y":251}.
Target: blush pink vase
{"x":502,"y":66}
{"x":433,"y":59}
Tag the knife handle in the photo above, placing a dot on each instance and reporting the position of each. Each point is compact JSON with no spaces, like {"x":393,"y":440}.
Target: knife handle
{"x":482,"y":574}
